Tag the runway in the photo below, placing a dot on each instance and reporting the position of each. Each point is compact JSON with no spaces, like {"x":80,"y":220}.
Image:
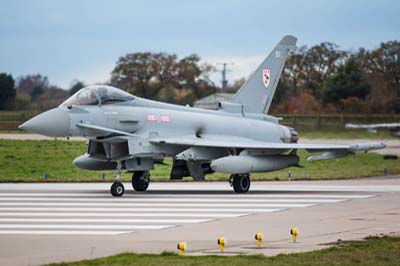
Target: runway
{"x":74,"y":213}
{"x":41,"y":223}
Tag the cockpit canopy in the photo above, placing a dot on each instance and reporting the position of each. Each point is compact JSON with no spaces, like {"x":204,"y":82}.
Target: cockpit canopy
{"x":98,"y":95}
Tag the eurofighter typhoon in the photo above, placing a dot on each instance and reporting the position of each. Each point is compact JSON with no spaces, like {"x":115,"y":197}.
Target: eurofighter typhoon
{"x":125,"y":132}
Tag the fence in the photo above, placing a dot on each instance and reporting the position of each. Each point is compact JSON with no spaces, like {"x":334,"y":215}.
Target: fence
{"x":333,"y":122}
{"x":10,"y":120}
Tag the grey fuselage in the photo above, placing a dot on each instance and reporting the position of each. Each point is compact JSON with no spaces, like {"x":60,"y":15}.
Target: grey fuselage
{"x":148,"y":119}
{"x":134,"y":119}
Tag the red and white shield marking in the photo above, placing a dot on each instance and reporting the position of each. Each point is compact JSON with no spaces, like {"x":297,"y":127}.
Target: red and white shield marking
{"x":266,"y":76}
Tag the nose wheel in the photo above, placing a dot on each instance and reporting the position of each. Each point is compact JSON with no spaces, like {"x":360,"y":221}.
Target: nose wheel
{"x":240,"y":182}
{"x":117,"y":188}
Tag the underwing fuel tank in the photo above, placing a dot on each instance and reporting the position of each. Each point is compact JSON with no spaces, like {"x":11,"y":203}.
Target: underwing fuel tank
{"x":88,"y":163}
{"x":252,"y":164}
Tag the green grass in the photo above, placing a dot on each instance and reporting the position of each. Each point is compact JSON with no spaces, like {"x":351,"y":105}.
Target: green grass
{"x":28,"y":160}
{"x":346,"y":134}
{"x":383,"y":251}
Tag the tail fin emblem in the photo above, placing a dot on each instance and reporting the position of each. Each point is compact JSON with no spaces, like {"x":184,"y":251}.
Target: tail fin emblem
{"x":266,"y":76}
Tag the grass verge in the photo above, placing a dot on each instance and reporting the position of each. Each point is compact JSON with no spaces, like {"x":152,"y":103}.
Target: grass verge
{"x":346,"y":134}
{"x":28,"y":160}
{"x":383,"y":251}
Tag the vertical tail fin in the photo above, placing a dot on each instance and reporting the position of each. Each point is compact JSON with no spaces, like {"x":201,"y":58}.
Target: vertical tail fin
{"x":257,"y":93}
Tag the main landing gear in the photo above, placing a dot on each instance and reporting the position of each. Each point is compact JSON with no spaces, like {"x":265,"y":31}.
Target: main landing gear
{"x":240,"y":182}
{"x":140,"y":180}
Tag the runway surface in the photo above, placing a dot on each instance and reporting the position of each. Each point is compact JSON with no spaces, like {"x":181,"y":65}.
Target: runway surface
{"x":80,"y":213}
{"x":42,"y":223}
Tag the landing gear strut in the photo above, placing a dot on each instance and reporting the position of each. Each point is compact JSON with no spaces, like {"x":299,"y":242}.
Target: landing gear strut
{"x":140,"y":180}
{"x":240,"y":182}
{"x":117,"y":188}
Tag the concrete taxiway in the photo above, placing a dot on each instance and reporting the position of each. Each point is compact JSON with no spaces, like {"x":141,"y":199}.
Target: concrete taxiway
{"x":41,"y":223}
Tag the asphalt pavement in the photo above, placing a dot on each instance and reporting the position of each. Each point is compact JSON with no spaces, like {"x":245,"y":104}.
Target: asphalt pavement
{"x":42,"y":223}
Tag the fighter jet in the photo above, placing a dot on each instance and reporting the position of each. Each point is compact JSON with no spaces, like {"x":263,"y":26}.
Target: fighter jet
{"x":394,"y":128}
{"x":126,"y":132}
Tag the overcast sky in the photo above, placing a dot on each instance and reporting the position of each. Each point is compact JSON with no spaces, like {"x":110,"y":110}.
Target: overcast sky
{"x":82,"y":39}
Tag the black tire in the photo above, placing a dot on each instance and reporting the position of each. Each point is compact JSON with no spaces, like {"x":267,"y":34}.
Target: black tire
{"x":241,"y":183}
{"x":140,"y":180}
{"x":117,"y":189}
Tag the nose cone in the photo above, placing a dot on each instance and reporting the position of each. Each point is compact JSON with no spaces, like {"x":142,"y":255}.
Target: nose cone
{"x":52,"y":123}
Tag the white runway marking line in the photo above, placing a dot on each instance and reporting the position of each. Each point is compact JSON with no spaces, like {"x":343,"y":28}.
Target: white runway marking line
{"x":84,"y":226}
{"x":127,"y":215}
{"x":163,"y":200}
{"x":155,"y":205}
{"x":139,"y":209}
{"x":101,"y":214}
{"x":177,"y":196}
{"x":296,"y":187}
{"x":59,"y":232}
{"x":102,"y":220}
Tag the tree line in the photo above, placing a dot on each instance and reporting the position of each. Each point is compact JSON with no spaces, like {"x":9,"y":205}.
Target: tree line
{"x":30,"y":92}
{"x":318,"y":79}
{"x":164,"y":77}
{"x":325,"y":79}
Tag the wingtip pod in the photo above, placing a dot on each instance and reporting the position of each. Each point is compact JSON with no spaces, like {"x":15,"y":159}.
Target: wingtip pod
{"x":351,"y":150}
{"x":288,"y":40}
{"x":368,"y":146}
{"x":349,"y":125}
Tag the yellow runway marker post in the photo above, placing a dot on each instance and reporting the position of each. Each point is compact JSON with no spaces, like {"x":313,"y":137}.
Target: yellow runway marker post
{"x":182,"y":247}
{"x":294,"y":232}
{"x":259,"y":237}
{"x":222,"y":242}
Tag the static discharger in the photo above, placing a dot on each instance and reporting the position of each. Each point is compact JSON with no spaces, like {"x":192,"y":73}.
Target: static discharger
{"x":259,"y":237}
{"x":294,"y":233}
{"x":182,"y":247}
{"x":222,"y":242}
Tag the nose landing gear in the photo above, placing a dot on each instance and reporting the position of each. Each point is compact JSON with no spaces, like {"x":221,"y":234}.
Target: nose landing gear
{"x":117,"y":188}
{"x":140,"y":181}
